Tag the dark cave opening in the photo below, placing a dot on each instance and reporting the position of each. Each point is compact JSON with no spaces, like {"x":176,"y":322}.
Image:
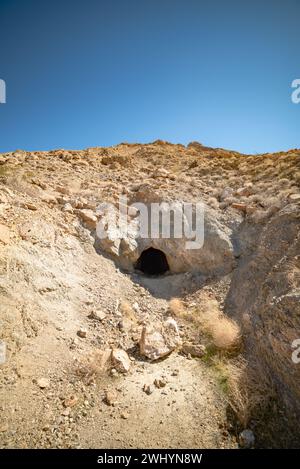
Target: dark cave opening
{"x":152,"y":262}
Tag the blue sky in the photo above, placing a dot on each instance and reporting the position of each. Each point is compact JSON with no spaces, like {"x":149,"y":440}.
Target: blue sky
{"x":96,"y":73}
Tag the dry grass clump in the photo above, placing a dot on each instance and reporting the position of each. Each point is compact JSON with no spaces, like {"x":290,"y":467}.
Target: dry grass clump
{"x":223,"y":333}
{"x":249,"y":388}
{"x":177,"y":308}
{"x":127,"y":311}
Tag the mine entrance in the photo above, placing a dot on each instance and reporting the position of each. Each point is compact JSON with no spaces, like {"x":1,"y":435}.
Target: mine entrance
{"x":152,"y":262}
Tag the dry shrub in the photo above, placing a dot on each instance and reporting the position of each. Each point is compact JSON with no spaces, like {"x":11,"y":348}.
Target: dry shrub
{"x":127,"y":311}
{"x":249,"y":389}
{"x":177,"y":308}
{"x":225,"y":333}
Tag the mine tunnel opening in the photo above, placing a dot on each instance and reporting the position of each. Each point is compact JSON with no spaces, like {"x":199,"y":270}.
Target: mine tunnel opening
{"x":152,"y":262}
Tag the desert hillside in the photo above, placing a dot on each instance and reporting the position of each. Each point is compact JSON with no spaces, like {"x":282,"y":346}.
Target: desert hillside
{"x":94,"y":334}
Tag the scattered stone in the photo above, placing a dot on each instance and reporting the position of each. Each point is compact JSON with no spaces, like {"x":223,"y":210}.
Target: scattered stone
{"x":63,"y":190}
{"x":111,"y":398}
{"x":226,"y":192}
{"x":148,"y":389}
{"x":250,"y":209}
{"x":3,"y":427}
{"x":43,"y":383}
{"x":82,"y":333}
{"x":67,"y":208}
{"x":120,"y":360}
{"x":88,"y":217}
{"x":247,"y":438}
{"x":194,"y":350}
{"x":66,"y":412}
{"x":243,"y":191}
{"x":160,"y":383}
{"x":132,"y":211}
{"x":125,"y":415}
{"x":239,"y":206}
{"x":136,"y":307}
{"x":294,"y":197}
{"x":70,"y":401}
{"x":4,"y":234}
{"x":30,"y":206}
{"x":98,"y":315}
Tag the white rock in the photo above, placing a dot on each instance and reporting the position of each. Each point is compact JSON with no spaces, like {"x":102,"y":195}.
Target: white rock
{"x":120,"y":360}
{"x":98,"y":314}
{"x":171,"y":324}
{"x":247,"y":438}
{"x":226,"y":192}
{"x":43,"y":383}
{"x":159,"y":340}
{"x":67,"y":208}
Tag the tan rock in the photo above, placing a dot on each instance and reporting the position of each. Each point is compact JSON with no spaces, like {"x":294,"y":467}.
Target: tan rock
{"x":195,"y":350}
{"x":82,"y":333}
{"x":88,"y":217}
{"x":159,"y":383}
{"x":244,"y":191}
{"x":30,"y":206}
{"x":70,"y":401}
{"x":111,"y":398}
{"x":239,"y":206}
{"x":43,"y":383}
{"x":4,"y":234}
{"x":98,"y":315}
{"x":153,"y":344}
{"x":294,"y":197}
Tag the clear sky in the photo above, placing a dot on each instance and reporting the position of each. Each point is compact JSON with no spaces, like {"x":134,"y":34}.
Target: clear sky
{"x":101,"y":72}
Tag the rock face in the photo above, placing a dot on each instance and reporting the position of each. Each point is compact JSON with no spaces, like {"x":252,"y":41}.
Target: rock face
{"x":214,"y":255}
{"x":266,"y":288}
{"x":56,"y":269}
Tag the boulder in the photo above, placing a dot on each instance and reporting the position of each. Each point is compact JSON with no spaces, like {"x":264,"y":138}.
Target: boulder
{"x":158,"y":341}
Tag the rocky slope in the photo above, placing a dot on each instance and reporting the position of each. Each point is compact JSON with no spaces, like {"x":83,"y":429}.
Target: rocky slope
{"x":69,"y":298}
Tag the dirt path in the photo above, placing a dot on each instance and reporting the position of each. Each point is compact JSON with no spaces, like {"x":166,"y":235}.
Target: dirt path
{"x":188,"y":411}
